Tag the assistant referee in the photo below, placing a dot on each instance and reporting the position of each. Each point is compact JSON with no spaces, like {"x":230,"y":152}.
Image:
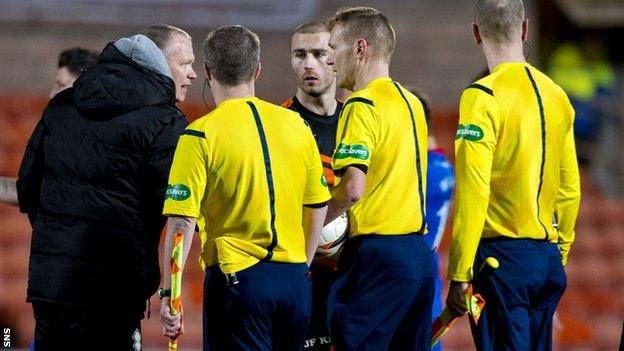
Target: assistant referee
{"x":250,"y":174}
{"x":518,"y":192}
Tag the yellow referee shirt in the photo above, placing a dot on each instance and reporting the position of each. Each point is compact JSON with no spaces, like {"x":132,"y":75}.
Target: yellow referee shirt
{"x":515,"y":163}
{"x":382,"y":130}
{"x":244,"y":171}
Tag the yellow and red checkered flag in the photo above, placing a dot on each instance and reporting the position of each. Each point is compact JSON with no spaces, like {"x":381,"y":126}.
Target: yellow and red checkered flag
{"x":445,"y":320}
{"x":474,"y":302}
{"x":176,"y":284}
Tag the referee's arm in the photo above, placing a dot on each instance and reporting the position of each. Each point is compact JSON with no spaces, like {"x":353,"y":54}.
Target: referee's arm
{"x":185,"y":226}
{"x":474,"y":154}
{"x":313,"y":217}
{"x":358,"y":130}
{"x":347,"y":193}
{"x":568,"y":196}
{"x":473,"y":163}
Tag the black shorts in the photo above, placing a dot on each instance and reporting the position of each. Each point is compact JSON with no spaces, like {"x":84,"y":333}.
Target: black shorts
{"x":63,"y":327}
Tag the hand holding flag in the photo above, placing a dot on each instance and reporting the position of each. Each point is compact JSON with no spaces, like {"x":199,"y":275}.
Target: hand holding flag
{"x":176,"y":284}
{"x":474,"y":303}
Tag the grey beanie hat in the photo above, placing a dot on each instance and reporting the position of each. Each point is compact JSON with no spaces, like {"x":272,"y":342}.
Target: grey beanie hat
{"x":145,"y":53}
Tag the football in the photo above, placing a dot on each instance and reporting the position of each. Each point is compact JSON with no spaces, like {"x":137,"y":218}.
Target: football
{"x":333,"y":236}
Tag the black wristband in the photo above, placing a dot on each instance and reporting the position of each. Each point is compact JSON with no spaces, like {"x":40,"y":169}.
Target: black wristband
{"x":162,"y":293}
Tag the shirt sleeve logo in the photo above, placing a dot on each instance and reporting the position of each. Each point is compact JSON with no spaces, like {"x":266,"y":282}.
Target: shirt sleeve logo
{"x":358,"y":151}
{"x":177,"y":192}
{"x":323,"y":180}
{"x":470,"y":132}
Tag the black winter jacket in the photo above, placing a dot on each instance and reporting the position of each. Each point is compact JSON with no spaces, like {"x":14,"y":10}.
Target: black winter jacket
{"x":93,"y":182}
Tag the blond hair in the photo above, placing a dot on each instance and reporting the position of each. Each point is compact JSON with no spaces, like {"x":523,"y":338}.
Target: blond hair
{"x":499,"y":20}
{"x":369,"y":24}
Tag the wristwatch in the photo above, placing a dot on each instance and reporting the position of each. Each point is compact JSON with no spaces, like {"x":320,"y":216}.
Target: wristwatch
{"x":164,"y":293}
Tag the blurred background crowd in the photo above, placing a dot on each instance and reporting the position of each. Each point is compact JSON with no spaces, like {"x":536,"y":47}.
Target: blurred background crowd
{"x":576,"y":42}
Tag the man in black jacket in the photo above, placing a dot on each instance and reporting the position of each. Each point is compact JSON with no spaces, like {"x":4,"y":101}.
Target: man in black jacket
{"x":71,"y":63}
{"x":92,"y":182}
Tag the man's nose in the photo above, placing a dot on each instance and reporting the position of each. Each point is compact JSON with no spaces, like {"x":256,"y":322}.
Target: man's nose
{"x":308,"y":61}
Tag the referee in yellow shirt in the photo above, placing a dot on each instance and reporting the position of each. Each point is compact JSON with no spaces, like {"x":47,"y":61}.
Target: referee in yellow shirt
{"x":250,"y":174}
{"x":383,"y":295}
{"x":518,"y":192}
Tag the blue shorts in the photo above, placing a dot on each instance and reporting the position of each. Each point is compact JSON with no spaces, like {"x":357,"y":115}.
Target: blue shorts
{"x":382,"y":297}
{"x":264,"y":307}
{"x":521,"y":295}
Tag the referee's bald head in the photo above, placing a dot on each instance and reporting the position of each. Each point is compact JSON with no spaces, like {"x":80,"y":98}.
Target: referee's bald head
{"x":499,"y":20}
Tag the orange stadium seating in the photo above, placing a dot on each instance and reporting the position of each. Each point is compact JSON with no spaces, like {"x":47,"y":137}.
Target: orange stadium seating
{"x":589,"y":314}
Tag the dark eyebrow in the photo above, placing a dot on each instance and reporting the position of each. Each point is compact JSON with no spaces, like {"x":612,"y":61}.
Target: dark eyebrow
{"x":319,"y":51}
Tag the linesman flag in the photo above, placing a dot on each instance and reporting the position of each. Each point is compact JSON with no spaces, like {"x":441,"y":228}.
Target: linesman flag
{"x":176,"y":284}
{"x":474,"y":302}
{"x":445,"y":320}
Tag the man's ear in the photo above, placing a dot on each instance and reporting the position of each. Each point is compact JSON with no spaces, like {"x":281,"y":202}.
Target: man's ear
{"x":361,"y":48}
{"x":257,"y":71}
{"x":476,"y":34}
{"x":525,"y":29}
{"x":207,"y":73}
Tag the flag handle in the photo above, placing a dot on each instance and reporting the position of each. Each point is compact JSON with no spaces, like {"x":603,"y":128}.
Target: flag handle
{"x":176,"y":284}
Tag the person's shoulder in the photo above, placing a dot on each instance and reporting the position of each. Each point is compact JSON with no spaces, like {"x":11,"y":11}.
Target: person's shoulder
{"x":63,"y":99}
{"x":484,"y":85}
{"x":155,"y":117}
{"x":286,"y":118}
{"x":363,"y":97}
{"x":289,"y":104}
{"x":274,"y":109}
{"x":60,"y":110}
{"x":166,"y":112}
{"x":405,"y":94}
{"x":293,"y":104}
{"x":480,"y":92}
{"x":200,"y":123}
{"x":161,"y":122}
{"x":547,"y":80}
{"x":65,"y":96}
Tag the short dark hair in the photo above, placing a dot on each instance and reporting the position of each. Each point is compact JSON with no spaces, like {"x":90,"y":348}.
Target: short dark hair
{"x":367,"y":23}
{"x":498,"y":20}
{"x":76,"y":59}
{"x":232,"y":53}
{"x":161,"y":35}
{"x":312,"y":27}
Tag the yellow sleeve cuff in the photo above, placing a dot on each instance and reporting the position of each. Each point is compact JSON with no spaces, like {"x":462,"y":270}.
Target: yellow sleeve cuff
{"x":459,"y":277}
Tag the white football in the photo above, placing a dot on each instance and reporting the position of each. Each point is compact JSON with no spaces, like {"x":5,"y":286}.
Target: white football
{"x":333,"y":236}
